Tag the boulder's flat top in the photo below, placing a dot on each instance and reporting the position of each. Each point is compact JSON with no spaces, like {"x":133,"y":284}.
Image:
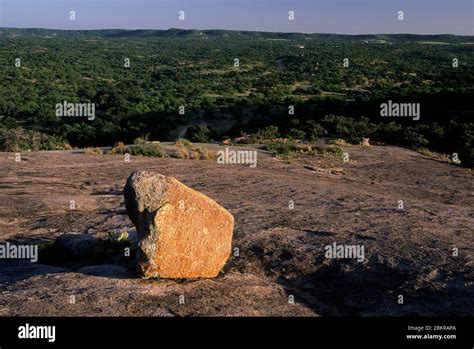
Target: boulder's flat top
{"x":281,"y":251}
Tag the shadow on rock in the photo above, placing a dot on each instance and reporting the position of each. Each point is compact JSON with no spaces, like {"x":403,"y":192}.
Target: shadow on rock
{"x":112,"y":257}
{"x":348,"y":288}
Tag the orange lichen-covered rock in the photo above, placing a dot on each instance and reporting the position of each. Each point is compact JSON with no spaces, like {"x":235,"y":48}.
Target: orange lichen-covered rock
{"x":182,"y":233}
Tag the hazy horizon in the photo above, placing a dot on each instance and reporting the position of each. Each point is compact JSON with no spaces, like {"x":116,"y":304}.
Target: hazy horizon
{"x":236,"y":30}
{"x":352,"y":17}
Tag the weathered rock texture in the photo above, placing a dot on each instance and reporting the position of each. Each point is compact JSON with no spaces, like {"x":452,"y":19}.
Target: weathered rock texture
{"x":182,"y":233}
{"x":282,"y":251}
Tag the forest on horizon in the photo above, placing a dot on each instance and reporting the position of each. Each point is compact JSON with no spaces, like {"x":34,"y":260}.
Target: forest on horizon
{"x":234,"y":83}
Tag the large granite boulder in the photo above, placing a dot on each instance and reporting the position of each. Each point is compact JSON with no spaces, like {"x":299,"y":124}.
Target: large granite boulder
{"x":181,"y":232}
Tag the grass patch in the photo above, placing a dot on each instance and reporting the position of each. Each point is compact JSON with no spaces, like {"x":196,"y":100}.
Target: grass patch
{"x":182,"y":153}
{"x":205,"y":154}
{"x":440,"y":157}
{"x":194,"y":153}
{"x":283,"y":149}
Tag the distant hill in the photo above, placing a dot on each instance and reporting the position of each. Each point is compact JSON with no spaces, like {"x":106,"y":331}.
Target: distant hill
{"x":190,"y":33}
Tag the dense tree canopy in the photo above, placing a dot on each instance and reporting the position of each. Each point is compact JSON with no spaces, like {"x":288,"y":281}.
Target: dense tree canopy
{"x":230,"y":83}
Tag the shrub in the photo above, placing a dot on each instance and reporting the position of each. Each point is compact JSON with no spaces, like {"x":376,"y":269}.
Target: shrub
{"x":334,"y":151}
{"x":182,"y":142}
{"x":19,"y":140}
{"x":54,"y":142}
{"x":350,"y":129}
{"x":328,"y":150}
{"x":297,"y":134}
{"x":199,"y":134}
{"x":140,"y":140}
{"x":93,"y":151}
{"x":267,"y":133}
{"x":414,"y":139}
{"x":154,"y":150}
{"x":313,"y":130}
{"x":119,"y":149}
{"x":338,"y":142}
{"x":279,"y":148}
{"x":302,"y":148}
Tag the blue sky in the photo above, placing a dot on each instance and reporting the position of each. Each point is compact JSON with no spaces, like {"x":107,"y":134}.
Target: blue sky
{"x":311,"y":16}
